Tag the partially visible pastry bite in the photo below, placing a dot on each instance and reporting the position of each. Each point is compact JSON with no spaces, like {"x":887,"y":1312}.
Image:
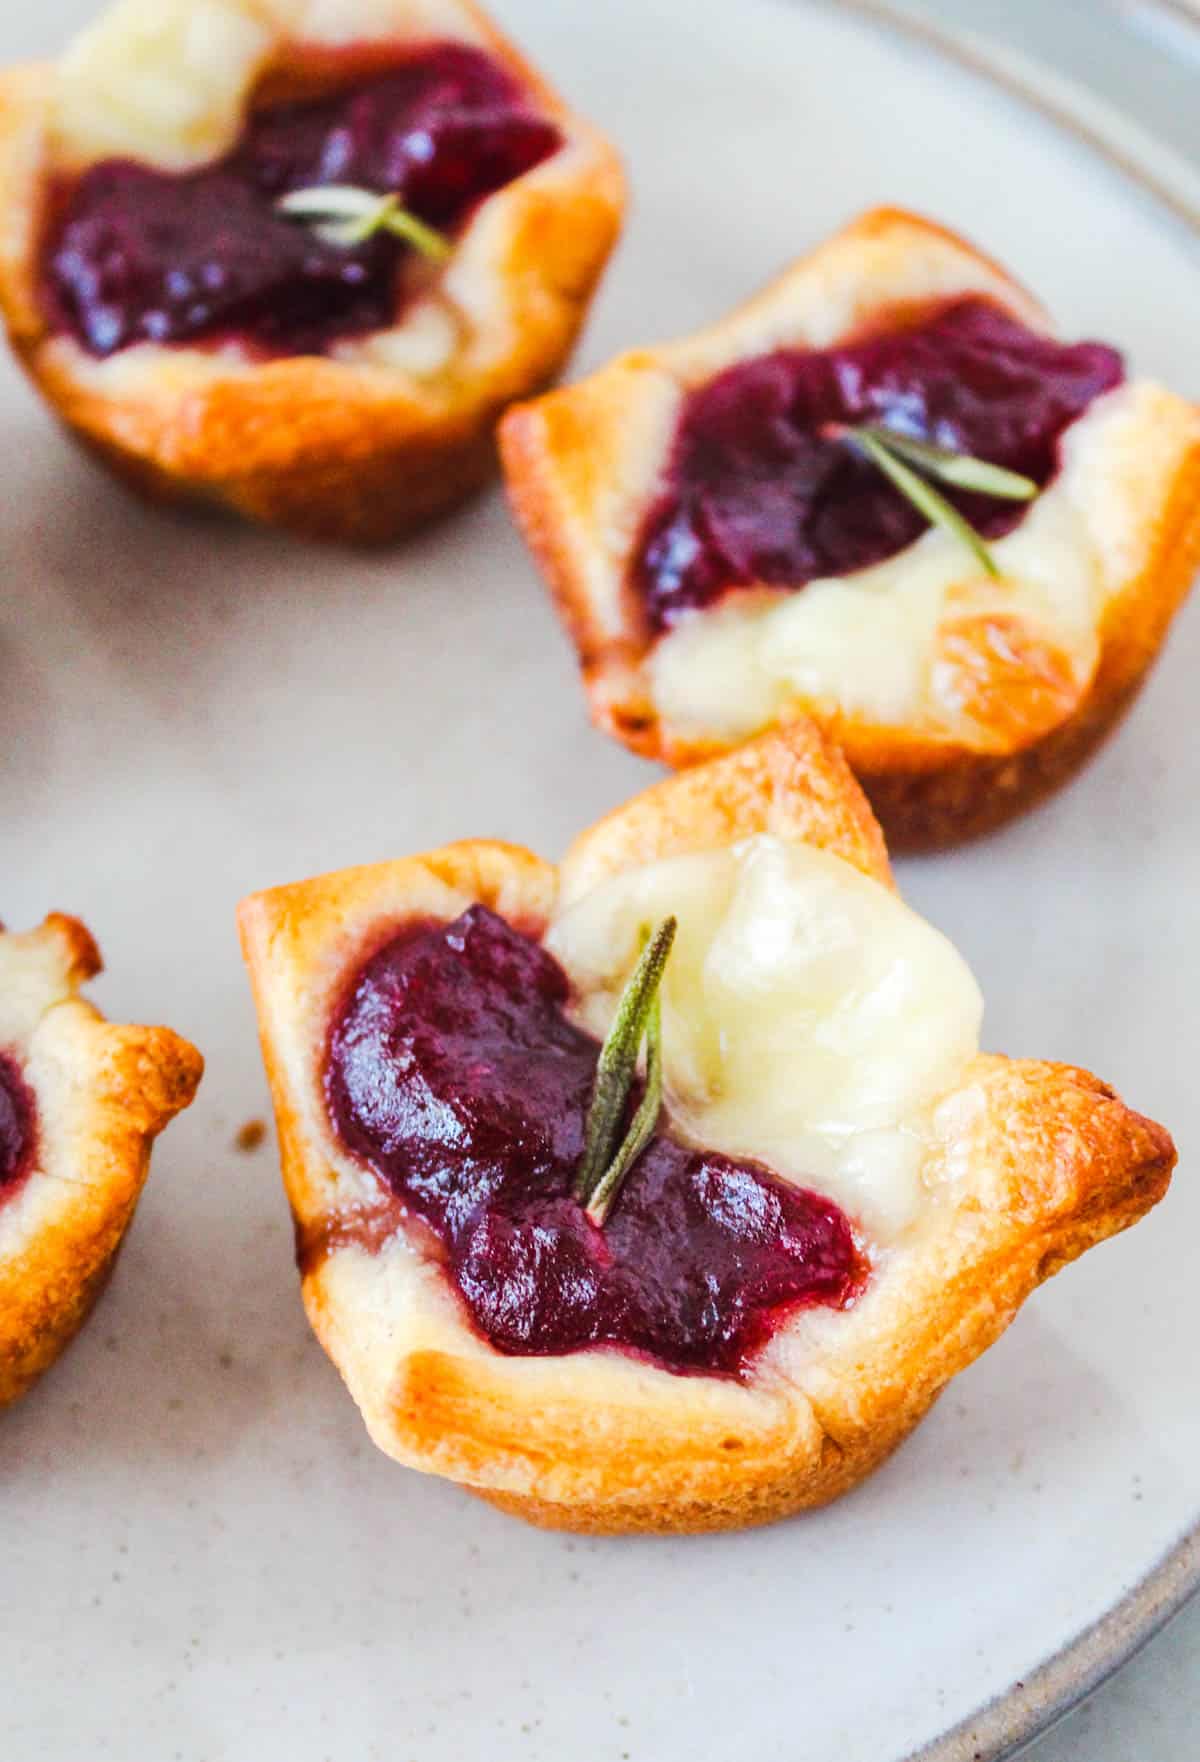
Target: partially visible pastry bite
{"x":729,"y":549}
{"x":201,"y":270}
{"x":710,"y":1289}
{"x":81,"y":1101}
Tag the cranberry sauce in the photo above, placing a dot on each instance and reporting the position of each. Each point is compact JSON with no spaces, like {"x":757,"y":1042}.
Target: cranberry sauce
{"x":16,"y":1126}
{"x":140,"y":255}
{"x":455,"y":1073}
{"x":760,"y":490}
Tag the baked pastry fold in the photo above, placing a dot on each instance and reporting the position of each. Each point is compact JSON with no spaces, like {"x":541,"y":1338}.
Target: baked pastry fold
{"x":91,"y":1096}
{"x":381,"y":432}
{"x":958,"y":697}
{"x":973,"y":1178}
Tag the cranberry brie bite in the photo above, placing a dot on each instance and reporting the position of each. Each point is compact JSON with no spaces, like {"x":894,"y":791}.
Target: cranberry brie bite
{"x":881,"y":493}
{"x":296,"y":256}
{"x":664,"y":1190}
{"x":81,"y":1101}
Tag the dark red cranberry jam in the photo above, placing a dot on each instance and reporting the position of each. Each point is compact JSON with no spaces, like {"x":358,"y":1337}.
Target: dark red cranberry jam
{"x":454,"y":1072}
{"x":759,"y":490}
{"x":138,"y":255}
{"x":16,"y":1125}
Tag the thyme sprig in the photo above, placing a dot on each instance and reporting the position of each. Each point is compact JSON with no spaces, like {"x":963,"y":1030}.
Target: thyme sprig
{"x":607,"y":1157}
{"x":344,"y":215}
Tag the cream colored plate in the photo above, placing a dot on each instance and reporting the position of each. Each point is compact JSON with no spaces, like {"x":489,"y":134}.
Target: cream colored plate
{"x":204,"y":1558}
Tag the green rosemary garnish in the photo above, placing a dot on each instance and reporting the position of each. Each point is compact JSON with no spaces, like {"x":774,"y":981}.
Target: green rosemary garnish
{"x":924,"y":498}
{"x":962,"y":470}
{"x":896,"y":455}
{"x":605,"y":1161}
{"x":342,"y":214}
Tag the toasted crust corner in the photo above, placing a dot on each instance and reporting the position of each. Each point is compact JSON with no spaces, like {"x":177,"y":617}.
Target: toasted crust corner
{"x":792,"y":783}
{"x":103,"y":1092}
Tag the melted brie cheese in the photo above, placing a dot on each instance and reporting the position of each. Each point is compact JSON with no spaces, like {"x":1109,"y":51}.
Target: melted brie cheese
{"x":163,"y":81}
{"x":865,"y":644}
{"x":166,"y":81}
{"x":809,"y":1017}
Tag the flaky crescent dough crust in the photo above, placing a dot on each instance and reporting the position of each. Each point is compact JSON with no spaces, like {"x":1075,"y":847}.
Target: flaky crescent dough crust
{"x":102,"y":1094}
{"x":582,"y":465}
{"x":357,"y":450}
{"x":1037,"y":1163}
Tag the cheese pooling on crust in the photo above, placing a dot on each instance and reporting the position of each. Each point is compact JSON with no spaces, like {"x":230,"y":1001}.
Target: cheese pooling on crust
{"x":810,"y":1020}
{"x":883,"y":644}
{"x":809,"y":1016}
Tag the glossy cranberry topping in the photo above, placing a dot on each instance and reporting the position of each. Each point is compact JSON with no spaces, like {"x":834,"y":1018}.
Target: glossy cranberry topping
{"x":455,"y":1073}
{"x":758,"y":489}
{"x":16,"y":1125}
{"x":139,"y":255}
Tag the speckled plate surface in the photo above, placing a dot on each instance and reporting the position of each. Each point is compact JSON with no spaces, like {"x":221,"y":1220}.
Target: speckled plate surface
{"x":204,"y":1557}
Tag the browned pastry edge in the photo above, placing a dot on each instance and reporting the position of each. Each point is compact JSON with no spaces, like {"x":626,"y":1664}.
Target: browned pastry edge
{"x":358,"y":454}
{"x":1130,"y":1159}
{"x":448,"y":1419}
{"x":833,"y":1474}
{"x":797,"y":787}
{"x":977,"y":792}
{"x":1047,"y":1162}
{"x":134,"y":1081}
{"x":927,"y":792}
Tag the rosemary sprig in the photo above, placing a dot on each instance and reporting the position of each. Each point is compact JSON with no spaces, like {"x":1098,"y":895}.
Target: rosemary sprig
{"x":641,"y":1128}
{"x":342,"y":214}
{"x":605,"y":1161}
{"x":924,"y":498}
{"x":962,"y":470}
{"x":897,"y":454}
